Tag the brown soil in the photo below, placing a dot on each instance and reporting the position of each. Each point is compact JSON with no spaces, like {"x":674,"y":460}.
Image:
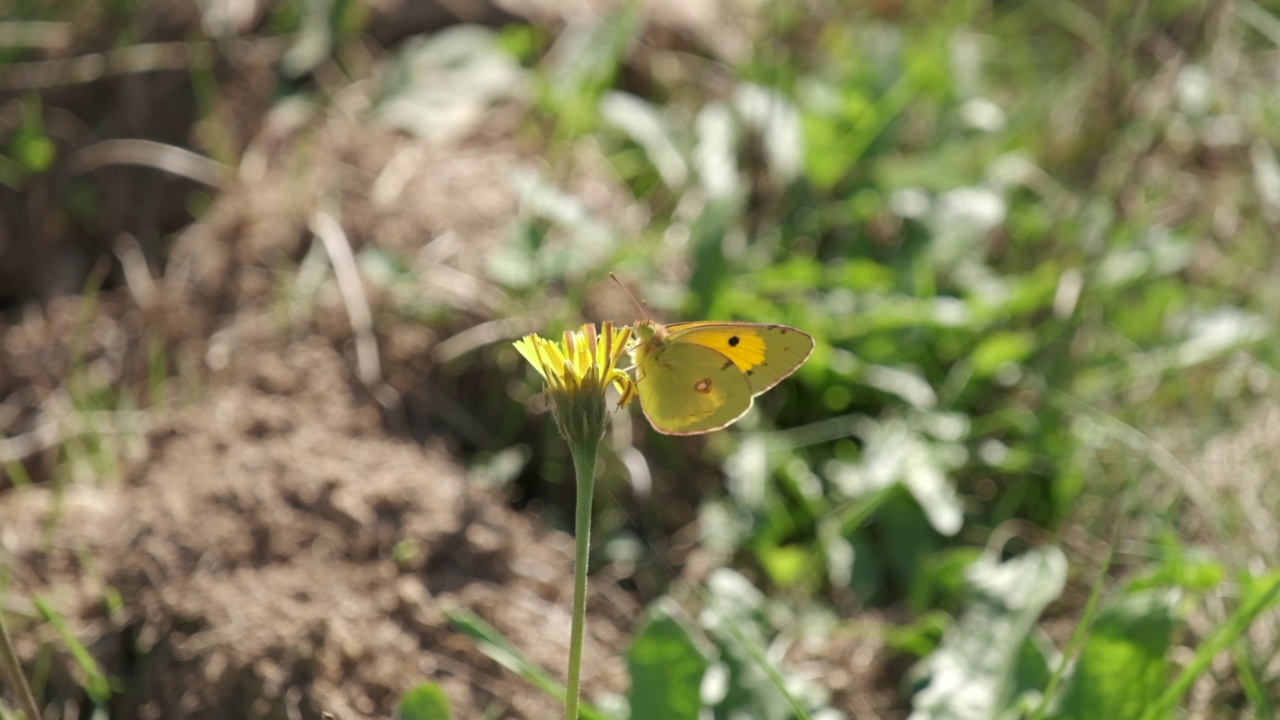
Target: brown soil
{"x":279,"y":555}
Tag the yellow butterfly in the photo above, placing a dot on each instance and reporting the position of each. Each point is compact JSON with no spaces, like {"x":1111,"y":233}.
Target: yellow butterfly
{"x":696,"y":377}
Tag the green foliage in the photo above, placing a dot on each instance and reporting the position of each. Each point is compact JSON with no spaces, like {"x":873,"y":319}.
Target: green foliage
{"x":667,"y":667}
{"x":722,"y":664}
{"x":1262,"y":594}
{"x":32,"y":147}
{"x":737,"y":622}
{"x":979,"y":329}
{"x":425,"y":702}
{"x":991,"y":292}
{"x":30,"y":150}
{"x":1123,"y":666}
{"x":587,"y":62}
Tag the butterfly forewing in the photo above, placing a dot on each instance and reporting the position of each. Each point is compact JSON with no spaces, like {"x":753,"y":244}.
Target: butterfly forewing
{"x":765,"y":354}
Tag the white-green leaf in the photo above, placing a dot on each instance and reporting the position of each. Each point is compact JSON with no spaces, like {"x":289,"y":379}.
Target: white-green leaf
{"x":972,"y":676}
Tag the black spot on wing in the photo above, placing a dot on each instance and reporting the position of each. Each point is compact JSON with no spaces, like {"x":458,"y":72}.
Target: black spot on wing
{"x":733,"y":341}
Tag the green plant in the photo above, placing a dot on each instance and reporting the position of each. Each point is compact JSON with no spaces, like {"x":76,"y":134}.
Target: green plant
{"x":425,"y":702}
{"x":1009,"y":309}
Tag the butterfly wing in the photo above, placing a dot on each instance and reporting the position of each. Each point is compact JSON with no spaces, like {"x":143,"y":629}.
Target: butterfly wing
{"x":765,"y":354}
{"x":686,"y":388}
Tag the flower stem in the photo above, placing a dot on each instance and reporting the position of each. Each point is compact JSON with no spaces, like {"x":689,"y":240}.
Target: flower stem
{"x":584,"y":464}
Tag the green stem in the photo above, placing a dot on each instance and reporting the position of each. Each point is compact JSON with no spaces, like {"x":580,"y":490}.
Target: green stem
{"x":584,"y":464}
{"x":11,"y":667}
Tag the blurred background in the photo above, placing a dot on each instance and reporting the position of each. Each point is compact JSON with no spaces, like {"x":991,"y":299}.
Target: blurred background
{"x":267,"y":450}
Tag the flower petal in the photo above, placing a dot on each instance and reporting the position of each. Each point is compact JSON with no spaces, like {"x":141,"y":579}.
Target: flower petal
{"x":528,"y":347}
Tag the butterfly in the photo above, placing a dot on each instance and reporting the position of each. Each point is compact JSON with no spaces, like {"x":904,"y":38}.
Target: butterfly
{"x":696,"y":377}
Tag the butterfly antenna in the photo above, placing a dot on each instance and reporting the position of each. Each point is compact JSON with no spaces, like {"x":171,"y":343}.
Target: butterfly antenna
{"x":639,"y":303}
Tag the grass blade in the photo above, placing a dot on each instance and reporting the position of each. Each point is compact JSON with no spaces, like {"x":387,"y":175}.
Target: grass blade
{"x":500,"y":650}
{"x":1264,"y":594}
{"x":97,"y":687}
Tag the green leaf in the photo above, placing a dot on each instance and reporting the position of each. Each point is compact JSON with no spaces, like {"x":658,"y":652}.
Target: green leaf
{"x":1001,"y":349}
{"x":921,"y":636}
{"x":710,"y":271}
{"x":425,"y":702}
{"x":1031,"y":671}
{"x":940,"y":579}
{"x":666,"y":667}
{"x":973,"y":675}
{"x":1123,"y":666}
{"x":31,"y":145}
{"x":34,"y":150}
{"x":789,"y":565}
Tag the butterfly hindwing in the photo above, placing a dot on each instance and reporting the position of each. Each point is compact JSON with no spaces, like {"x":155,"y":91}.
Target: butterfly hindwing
{"x":687,"y":388}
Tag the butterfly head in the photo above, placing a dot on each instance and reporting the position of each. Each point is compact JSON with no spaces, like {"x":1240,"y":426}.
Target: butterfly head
{"x":647,"y":331}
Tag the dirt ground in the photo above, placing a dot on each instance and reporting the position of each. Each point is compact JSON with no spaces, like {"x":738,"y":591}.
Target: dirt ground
{"x":274,"y":549}
{"x":254,"y":533}
{"x":278,"y":555}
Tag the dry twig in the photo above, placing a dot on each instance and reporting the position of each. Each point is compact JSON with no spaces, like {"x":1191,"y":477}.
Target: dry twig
{"x":176,"y":160}
{"x":149,"y":57}
{"x":368,"y":366}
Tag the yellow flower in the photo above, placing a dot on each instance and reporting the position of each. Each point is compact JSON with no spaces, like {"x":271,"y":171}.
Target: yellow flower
{"x":576,"y":373}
